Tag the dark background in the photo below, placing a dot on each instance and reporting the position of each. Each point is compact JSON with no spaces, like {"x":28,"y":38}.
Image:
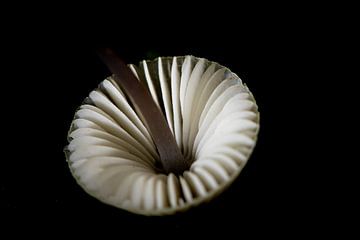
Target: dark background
{"x":278,"y":58}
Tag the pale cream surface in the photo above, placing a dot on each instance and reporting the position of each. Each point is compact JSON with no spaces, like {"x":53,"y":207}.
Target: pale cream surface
{"x":213,"y":117}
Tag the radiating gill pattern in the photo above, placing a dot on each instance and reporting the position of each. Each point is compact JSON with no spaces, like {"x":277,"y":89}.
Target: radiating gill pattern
{"x":213,"y":117}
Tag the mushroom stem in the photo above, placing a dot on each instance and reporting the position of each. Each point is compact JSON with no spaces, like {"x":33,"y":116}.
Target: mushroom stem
{"x":170,"y":155}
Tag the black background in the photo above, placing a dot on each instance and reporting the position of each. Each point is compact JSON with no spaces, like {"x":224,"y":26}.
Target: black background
{"x":275,"y":57}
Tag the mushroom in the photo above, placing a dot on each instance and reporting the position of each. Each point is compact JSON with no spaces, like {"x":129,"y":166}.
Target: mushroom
{"x":211,"y":114}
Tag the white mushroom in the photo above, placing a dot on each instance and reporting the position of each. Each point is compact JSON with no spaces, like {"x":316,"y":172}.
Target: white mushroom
{"x":213,"y":117}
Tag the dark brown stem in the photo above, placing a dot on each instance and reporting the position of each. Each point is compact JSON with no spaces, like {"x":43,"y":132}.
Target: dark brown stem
{"x":170,"y":155}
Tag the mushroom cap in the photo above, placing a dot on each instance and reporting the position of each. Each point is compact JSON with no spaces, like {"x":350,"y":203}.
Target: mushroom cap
{"x":214,"y":119}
